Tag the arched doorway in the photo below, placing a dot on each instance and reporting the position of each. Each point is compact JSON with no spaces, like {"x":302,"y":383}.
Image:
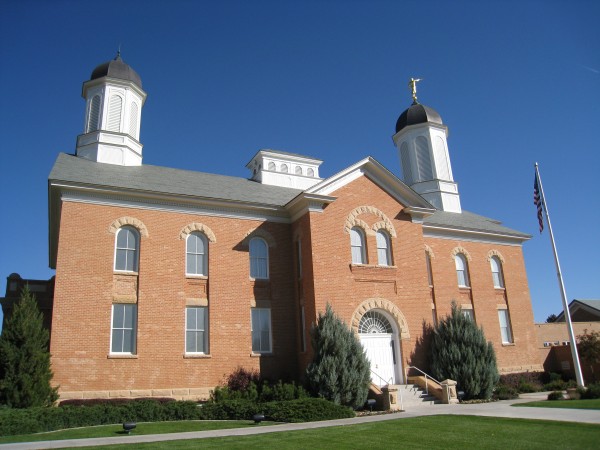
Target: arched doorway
{"x":379,"y":337}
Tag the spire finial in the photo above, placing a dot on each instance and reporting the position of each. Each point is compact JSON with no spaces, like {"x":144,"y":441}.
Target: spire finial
{"x":118,"y":52}
{"x":412,"y":84}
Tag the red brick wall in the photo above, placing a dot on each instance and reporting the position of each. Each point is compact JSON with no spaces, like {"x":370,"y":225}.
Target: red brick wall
{"x":85,"y":289}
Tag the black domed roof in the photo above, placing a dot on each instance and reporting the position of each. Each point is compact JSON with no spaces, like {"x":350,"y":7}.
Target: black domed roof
{"x":116,"y":68}
{"x":416,"y":114}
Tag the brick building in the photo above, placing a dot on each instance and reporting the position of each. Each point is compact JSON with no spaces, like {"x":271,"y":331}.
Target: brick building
{"x":166,"y":279}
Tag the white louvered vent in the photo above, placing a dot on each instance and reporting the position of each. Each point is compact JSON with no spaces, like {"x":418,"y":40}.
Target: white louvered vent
{"x":133,"y":120}
{"x":423,"y":159}
{"x":405,"y":160}
{"x":94,"y":115}
{"x":441,"y":161}
{"x":114,"y":114}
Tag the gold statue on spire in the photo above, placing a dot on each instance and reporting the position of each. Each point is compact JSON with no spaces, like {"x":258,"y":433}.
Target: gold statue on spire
{"x":412,"y":84}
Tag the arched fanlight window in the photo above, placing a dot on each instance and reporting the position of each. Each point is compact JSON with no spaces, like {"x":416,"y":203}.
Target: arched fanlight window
{"x":298,"y":170}
{"x":196,"y":254}
{"x":357,"y":244}
{"x":373,"y":322}
{"x":384,"y":255}
{"x":284,"y":168}
{"x":310,"y":172}
{"x":272,"y":166}
{"x":462,"y":270}
{"x":497,"y":275}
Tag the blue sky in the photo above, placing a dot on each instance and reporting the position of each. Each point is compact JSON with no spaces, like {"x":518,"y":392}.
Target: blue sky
{"x":515,"y":81}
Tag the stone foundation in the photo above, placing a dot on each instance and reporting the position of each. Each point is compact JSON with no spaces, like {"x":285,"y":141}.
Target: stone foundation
{"x":194,"y":394}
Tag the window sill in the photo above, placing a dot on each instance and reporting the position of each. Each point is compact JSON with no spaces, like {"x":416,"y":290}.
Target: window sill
{"x":464,"y":288}
{"x":196,"y":277}
{"x":260,"y":355}
{"x":121,"y":356}
{"x":499,"y":289}
{"x":197,"y":356}
{"x":508,"y":344}
{"x":125,"y":272}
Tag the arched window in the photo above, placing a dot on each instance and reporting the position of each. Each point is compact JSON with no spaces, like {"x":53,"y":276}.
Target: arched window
{"x":310,"y":172}
{"x":196,"y":254}
{"x":127,"y":249}
{"x":284,"y":168}
{"x":272,"y":166}
{"x":462,"y":270}
{"x":373,"y":322}
{"x":259,"y":258}
{"x":298,"y":170}
{"x":114,"y":113}
{"x":357,"y":244}
{"x":94,"y":116}
{"x":497,"y":272}
{"x":384,"y":255}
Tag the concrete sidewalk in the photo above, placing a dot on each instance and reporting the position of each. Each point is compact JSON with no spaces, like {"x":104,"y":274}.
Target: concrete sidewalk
{"x":494,"y":409}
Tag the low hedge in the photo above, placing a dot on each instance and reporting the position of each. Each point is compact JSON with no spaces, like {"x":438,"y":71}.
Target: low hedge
{"x":35,"y":420}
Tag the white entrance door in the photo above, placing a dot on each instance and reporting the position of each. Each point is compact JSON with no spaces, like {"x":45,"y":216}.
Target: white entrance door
{"x":380,"y":352}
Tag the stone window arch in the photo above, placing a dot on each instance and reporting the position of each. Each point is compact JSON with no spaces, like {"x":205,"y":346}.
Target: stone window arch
{"x":385,"y":305}
{"x":200,"y":227}
{"x":126,"y":220}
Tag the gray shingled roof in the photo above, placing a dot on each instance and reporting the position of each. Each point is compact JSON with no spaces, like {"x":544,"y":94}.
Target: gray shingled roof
{"x":165,"y":180}
{"x":469,"y":221}
{"x":591,"y":303}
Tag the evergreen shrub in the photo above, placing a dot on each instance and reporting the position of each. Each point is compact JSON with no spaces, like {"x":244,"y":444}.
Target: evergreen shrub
{"x":505,"y":392}
{"x":25,"y":372}
{"x":590,"y":391}
{"x":340,"y":370}
{"x":555,"y":395}
{"x":460,"y":352}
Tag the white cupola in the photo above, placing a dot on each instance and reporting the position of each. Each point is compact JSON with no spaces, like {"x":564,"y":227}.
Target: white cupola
{"x":114,"y":100}
{"x":284,"y":169}
{"x":421,"y":139}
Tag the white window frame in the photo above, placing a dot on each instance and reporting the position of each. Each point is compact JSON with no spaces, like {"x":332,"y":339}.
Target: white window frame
{"x":497,"y":273}
{"x":462,"y":270}
{"x":358,"y":246}
{"x":128,"y":249}
{"x":258,"y":262}
{"x":123,"y":329}
{"x":384,"y":250}
{"x":468,"y":313}
{"x":195,"y":253}
{"x":263,"y":316}
{"x":198,"y":328}
{"x":505,"y":327}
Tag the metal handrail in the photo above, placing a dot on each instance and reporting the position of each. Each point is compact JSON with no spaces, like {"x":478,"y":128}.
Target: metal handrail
{"x":426,"y":377}
{"x":390,"y":381}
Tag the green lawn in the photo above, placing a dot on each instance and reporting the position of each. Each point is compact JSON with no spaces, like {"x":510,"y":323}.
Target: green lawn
{"x":571,"y":404}
{"x":142,"y":428}
{"x":447,"y":432}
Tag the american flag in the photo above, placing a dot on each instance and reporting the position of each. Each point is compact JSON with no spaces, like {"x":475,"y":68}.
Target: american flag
{"x":537,"y":201}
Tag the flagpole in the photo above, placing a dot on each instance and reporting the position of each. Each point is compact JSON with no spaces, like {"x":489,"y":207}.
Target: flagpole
{"x":574,"y":353}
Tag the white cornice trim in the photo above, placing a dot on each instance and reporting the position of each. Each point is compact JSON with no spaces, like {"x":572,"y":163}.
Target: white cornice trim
{"x":304,"y":203}
{"x":439,"y":232}
{"x":172,"y":203}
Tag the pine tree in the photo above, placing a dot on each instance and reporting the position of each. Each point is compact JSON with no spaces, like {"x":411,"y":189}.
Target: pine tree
{"x":24,"y":357}
{"x":460,"y":352}
{"x":340,"y":370}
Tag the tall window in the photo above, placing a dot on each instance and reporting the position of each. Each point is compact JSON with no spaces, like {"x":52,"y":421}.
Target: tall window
{"x":429,"y":271}
{"x":196,"y":327}
{"x":127,"y":249}
{"x":384,"y":255}
{"x":357,"y":244}
{"x":259,"y":258}
{"x":196,"y":254}
{"x":462,"y":270}
{"x":468,"y":313}
{"x":497,"y":272}
{"x":505,"y":326}
{"x":261,"y":330}
{"x":123,"y":329}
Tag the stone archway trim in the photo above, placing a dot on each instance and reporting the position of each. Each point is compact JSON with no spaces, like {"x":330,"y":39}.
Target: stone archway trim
{"x":197,"y":226}
{"x":385,"y":305}
{"x":126,"y":220}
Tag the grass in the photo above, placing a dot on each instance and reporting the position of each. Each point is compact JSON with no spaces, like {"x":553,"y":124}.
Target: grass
{"x":142,"y":428}
{"x":570,"y":404}
{"x":448,"y":432}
